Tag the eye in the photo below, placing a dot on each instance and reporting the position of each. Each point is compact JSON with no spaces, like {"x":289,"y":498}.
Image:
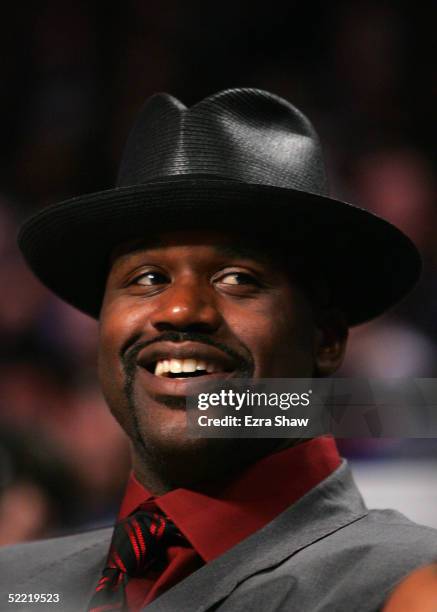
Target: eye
{"x":238,"y":278}
{"x":150,"y":279}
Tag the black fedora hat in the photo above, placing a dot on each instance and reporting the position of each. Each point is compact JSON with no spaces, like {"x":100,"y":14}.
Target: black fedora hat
{"x":242,"y":159}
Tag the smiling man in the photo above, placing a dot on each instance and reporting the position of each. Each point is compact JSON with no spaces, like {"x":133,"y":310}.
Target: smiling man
{"x":200,"y":308}
{"x":221,"y":255}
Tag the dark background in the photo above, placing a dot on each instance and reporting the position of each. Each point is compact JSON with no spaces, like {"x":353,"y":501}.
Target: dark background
{"x":73,"y":76}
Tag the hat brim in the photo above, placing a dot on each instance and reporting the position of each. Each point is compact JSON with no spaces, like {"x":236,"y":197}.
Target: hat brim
{"x":370,"y":264}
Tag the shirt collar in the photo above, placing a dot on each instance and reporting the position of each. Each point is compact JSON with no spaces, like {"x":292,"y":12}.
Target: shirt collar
{"x":215,"y":523}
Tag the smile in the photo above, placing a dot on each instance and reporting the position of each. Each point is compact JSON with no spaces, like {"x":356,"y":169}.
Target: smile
{"x":172,"y":367}
{"x":185,"y":368}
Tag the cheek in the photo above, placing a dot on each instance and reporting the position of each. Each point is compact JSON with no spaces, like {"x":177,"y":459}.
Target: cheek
{"x":294,"y":332}
{"x":279,"y":334}
{"x":118,"y":325}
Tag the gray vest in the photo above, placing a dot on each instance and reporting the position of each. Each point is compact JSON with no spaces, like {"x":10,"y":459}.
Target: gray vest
{"x":326,"y":552}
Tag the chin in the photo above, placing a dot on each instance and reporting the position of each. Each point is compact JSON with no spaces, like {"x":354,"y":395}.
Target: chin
{"x":162,"y":430}
{"x":163,"y":446}
{"x":181,"y":461}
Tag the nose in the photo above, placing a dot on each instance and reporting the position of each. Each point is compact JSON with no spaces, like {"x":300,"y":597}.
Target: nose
{"x":187,"y":306}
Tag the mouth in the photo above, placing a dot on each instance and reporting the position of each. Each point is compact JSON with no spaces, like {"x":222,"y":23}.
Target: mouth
{"x":179,"y":364}
{"x":184,"y":368}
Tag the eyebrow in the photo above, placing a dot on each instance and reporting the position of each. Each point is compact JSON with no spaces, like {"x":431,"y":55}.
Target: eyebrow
{"x":243,"y":251}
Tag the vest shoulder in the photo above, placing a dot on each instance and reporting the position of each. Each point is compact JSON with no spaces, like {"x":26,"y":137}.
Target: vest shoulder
{"x":388,"y":531}
{"x":44,"y":551}
{"x":394,"y":520}
{"x":68,"y":566}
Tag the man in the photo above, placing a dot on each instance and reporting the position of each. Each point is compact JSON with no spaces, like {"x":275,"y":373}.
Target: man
{"x":220,"y":254}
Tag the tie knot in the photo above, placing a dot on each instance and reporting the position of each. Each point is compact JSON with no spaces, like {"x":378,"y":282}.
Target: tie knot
{"x":139,"y":540}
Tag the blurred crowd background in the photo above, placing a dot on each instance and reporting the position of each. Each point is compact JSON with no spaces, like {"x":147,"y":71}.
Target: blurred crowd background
{"x":73,"y":76}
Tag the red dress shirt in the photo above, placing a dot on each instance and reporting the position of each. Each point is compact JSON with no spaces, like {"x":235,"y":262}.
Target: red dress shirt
{"x":214,"y":523}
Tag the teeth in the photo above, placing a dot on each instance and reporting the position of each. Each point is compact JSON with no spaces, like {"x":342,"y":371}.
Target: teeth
{"x":189,"y":365}
{"x":176,"y":366}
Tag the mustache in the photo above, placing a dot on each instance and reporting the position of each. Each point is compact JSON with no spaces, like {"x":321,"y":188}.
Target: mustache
{"x":244,"y":363}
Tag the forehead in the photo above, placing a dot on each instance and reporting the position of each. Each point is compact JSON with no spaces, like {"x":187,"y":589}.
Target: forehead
{"x":228,"y":244}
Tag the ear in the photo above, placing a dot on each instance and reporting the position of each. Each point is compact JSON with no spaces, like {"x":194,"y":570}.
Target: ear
{"x":330,"y":341}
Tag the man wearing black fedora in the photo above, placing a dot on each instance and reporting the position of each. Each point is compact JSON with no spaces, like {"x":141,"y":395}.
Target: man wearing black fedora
{"x":220,"y":254}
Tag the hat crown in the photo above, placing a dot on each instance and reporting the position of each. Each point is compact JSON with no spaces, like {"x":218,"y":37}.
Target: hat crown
{"x":246,"y":135}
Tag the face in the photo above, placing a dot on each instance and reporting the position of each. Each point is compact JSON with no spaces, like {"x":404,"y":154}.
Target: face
{"x":194,"y":307}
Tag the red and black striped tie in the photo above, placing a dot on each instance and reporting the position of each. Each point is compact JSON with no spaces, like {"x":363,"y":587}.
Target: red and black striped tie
{"x":138,"y":541}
